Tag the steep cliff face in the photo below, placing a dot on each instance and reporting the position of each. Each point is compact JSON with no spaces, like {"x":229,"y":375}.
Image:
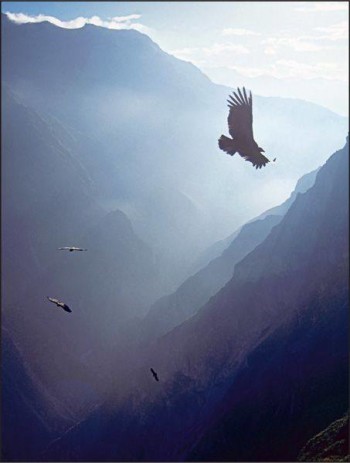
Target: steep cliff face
{"x":268,"y":353}
{"x":293,"y":385}
{"x":170,"y":311}
{"x":177,"y":307}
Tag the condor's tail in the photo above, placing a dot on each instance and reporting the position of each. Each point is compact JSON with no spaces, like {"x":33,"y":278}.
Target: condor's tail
{"x":227,"y":144}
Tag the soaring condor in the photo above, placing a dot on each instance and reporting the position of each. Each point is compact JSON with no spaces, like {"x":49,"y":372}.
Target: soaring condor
{"x":240,"y":127}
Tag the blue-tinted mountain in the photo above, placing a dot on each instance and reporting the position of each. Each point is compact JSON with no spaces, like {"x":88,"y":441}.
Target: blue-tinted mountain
{"x":174,"y":309}
{"x":101,"y":126}
{"x":292,"y":386}
{"x":46,"y":193}
{"x":146,"y":127}
{"x":48,"y":202}
{"x":261,"y":368}
{"x":216,"y":249}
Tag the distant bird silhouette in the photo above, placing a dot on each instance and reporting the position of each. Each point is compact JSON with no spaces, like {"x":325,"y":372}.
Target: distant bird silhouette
{"x":240,"y":127}
{"x":59,"y":304}
{"x":71,"y":249}
{"x":274,"y":160}
{"x":154,"y":374}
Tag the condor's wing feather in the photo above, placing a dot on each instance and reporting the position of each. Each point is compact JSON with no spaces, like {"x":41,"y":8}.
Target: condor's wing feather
{"x":258,"y":160}
{"x":240,"y":118}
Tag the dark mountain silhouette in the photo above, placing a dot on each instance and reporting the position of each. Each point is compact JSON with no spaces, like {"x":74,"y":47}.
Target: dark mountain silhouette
{"x":262,"y":367}
{"x":296,"y":397}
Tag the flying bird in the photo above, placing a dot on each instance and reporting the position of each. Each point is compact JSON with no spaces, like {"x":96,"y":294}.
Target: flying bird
{"x":59,"y":304}
{"x":240,"y":127}
{"x":154,"y":374}
{"x":71,"y":249}
{"x":274,"y":160}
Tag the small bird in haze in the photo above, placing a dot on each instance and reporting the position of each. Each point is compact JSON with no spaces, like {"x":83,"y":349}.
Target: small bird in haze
{"x":59,"y":304}
{"x":240,"y":127}
{"x":154,"y":374}
{"x":274,"y":160}
{"x":71,"y":249}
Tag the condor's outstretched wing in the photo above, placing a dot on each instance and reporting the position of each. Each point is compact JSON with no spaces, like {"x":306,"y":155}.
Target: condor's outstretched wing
{"x":258,"y":160}
{"x":240,"y":118}
{"x":51,"y":299}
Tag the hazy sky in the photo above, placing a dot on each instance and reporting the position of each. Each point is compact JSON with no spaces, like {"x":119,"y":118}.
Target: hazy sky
{"x":296,"y":49}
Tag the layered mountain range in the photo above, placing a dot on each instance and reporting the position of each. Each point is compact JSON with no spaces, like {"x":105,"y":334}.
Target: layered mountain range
{"x":172,"y":310}
{"x":261,"y":368}
{"x":111,"y":144}
{"x":144,"y":126}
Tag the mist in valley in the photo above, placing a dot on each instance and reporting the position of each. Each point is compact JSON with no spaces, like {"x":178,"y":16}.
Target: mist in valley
{"x":197,"y":264}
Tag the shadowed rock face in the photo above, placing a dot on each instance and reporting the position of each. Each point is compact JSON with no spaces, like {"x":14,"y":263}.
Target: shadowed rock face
{"x":331,"y":444}
{"x":262,"y":367}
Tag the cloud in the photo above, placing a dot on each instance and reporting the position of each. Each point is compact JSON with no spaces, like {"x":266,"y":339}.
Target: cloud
{"x":117,"y":22}
{"x":321,"y":6}
{"x":240,"y":32}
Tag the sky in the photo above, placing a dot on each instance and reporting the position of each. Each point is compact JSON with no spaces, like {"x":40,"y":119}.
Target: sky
{"x":289,"y":49}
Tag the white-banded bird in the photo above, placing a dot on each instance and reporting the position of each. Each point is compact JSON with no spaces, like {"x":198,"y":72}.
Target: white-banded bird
{"x":59,"y":304}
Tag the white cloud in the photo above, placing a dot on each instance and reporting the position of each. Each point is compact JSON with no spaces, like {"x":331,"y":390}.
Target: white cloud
{"x":117,"y":22}
{"x":240,"y":32}
{"x":321,"y":6}
{"x":125,"y":18}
